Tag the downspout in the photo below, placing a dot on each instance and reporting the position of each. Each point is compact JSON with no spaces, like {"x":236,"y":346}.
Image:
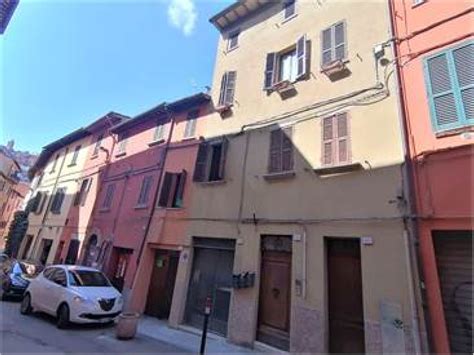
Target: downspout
{"x":155,"y":196}
{"x":410,"y":234}
{"x":53,"y":191}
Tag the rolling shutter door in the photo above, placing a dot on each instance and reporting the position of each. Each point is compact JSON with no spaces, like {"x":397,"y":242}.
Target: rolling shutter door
{"x":454,"y":261}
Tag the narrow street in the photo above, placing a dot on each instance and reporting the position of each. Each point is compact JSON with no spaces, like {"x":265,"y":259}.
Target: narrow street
{"x":38,"y":334}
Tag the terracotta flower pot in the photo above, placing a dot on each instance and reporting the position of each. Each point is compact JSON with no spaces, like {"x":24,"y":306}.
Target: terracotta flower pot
{"x":127,"y":325}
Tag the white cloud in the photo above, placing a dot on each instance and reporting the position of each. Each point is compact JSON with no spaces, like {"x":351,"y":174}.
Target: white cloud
{"x":182,"y":14}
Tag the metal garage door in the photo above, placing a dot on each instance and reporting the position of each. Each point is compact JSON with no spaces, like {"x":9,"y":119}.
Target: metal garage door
{"x":211,"y":275}
{"x":454,"y":259}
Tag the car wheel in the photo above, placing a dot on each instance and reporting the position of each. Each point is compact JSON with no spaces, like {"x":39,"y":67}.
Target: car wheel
{"x":25,"y":307}
{"x":63,"y":316}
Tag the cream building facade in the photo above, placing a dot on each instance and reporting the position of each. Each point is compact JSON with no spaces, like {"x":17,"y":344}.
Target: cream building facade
{"x":301,"y":240}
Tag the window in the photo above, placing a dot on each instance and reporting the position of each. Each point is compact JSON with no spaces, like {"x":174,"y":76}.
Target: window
{"x":289,"y":8}
{"x":172,"y":190}
{"x":58,"y":200}
{"x":450,"y":81}
{"x":210,"y":161}
{"x":333,"y":44}
{"x":190,"y":128}
{"x":109,"y":195}
{"x":122,"y":143}
{"x":98,"y":144}
{"x":144,"y":191}
{"x":81,"y":195}
{"x":59,"y":277}
{"x":418,"y":2}
{"x":233,"y":40}
{"x":159,"y":133}
{"x":75,"y":155}
{"x":335,"y":140}
{"x":226,"y":97}
{"x":281,"y":151}
{"x":53,"y":168}
{"x":288,"y":65}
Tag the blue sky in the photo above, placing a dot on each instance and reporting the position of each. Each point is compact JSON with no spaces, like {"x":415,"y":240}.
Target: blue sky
{"x":66,"y":63}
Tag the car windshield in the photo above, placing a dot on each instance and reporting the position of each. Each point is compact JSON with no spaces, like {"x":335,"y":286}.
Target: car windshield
{"x":87,"y":278}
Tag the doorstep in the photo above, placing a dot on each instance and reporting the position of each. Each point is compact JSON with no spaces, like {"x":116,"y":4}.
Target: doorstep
{"x":188,"y":338}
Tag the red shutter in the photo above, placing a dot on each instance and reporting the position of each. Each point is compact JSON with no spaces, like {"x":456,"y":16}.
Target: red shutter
{"x":302,"y":56}
{"x":223,"y":90}
{"x":165,"y":190}
{"x":230,"y":88}
{"x":180,"y":189}
{"x":328,"y":141}
{"x":287,"y":150}
{"x":201,"y":163}
{"x":225,"y":143}
{"x":275,"y":158}
{"x":269,"y":71}
{"x":342,"y":139}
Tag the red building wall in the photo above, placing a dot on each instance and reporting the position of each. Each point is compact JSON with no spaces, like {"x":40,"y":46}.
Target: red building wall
{"x":441,"y":160}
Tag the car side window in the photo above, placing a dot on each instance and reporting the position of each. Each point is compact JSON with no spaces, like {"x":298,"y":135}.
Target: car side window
{"x":48,"y":272}
{"x":59,"y":277}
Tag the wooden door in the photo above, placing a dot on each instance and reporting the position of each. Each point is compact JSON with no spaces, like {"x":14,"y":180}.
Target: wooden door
{"x":59,"y":251}
{"x":160,"y":293}
{"x":346,"y":316}
{"x":275,"y":298}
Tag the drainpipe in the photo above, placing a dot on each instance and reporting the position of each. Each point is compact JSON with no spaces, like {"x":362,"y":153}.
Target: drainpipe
{"x":410,"y":234}
{"x":45,"y":215}
{"x":155,"y":196}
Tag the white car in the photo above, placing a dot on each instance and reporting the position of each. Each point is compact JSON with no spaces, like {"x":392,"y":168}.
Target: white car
{"x":72,"y":293}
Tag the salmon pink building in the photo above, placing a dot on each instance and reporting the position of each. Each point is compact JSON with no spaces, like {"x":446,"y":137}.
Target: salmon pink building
{"x":435,"y":53}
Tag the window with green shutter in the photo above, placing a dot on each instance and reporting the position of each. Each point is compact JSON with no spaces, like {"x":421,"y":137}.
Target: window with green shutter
{"x":450,"y":84}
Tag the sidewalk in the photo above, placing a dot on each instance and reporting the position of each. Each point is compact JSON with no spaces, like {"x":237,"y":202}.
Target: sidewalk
{"x":188,"y":338}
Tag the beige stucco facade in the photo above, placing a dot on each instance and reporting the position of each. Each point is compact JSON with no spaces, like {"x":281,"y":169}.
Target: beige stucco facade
{"x":45,"y":225}
{"x":366,"y":203}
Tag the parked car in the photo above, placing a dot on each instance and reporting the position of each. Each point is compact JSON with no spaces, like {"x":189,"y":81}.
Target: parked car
{"x":73,"y":293}
{"x":14,"y":278}
{"x":3,"y":258}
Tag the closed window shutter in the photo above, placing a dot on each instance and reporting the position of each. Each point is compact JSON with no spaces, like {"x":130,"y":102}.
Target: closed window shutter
{"x":223,"y":90}
{"x":225,"y":144}
{"x":165,"y":190}
{"x":339,"y":41}
{"x":109,"y":193}
{"x":230,"y":88}
{"x":201,"y":163}
{"x":342,"y":139}
{"x":269,"y":71}
{"x":144,"y":191}
{"x":287,"y":150}
{"x":464,"y":67}
{"x":443,"y":99}
{"x":43,"y":202}
{"x":159,"y":132}
{"x":275,"y":159}
{"x":302,"y":56}
{"x":326,"y":45}
{"x":178,"y":201}
{"x":36,"y":202}
{"x":86,"y":192}
{"x":328,"y":141}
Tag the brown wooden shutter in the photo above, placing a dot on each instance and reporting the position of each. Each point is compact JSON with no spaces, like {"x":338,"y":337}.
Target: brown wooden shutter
{"x":86,"y":192}
{"x":165,"y":190}
{"x":223,"y":89}
{"x":275,"y":159}
{"x":200,"y":167}
{"x":302,"y":57}
{"x":180,"y":188}
{"x":287,"y":149}
{"x":269,"y":71}
{"x":328,"y":141}
{"x":225,"y":143}
{"x":43,"y":202}
{"x":342,"y":139}
{"x":230,"y":88}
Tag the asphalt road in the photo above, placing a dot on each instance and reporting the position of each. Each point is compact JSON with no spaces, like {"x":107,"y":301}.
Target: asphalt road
{"x":37,"y":333}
